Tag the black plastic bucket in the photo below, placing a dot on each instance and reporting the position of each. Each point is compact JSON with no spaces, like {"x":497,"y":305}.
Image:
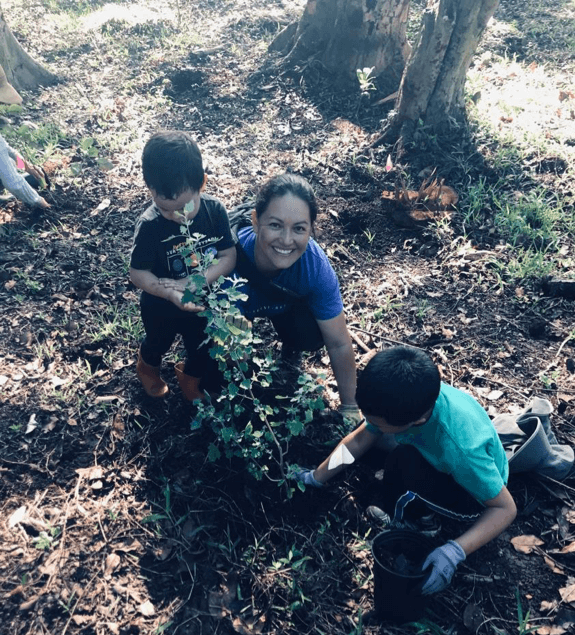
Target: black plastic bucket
{"x":398,"y":556}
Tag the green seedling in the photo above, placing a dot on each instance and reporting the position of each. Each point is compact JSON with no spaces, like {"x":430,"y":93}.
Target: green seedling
{"x":549,"y":380}
{"x":523,"y":627}
{"x":162,"y":627}
{"x":369,"y":235}
{"x":366,"y":78}
{"x":46,"y":539}
{"x":425,"y":626}
{"x":67,"y":606}
{"x":244,"y":425}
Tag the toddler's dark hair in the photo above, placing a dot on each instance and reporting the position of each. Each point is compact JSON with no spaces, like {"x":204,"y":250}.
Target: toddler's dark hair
{"x":399,"y":384}
{"x":172,"y":163}
{"x":283,"y":184}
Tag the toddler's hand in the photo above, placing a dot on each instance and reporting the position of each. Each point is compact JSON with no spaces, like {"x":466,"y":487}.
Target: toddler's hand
{"x":177,"y":285}
{"x":175,"y":296}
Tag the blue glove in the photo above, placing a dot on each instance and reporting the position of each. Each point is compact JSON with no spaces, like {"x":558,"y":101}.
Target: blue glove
{"x":304,"y":476}
{"x":444,"y":560}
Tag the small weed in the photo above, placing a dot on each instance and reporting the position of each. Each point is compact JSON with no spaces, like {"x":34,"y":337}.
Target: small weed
{"x":425,"y":626}
{"x":369,"y":235}
{"x":422,"y":308}
{"x":47,"y":539}
{"x":37,"y":144}
{"x":162,"y":627}
{"x":549,"y":381}
{"x":67,"y":606}
{"x":121,"y":322}
{"x":366,"y":80}
{"x":32,"y":285}
{"x":388,"y":305}
{"x":358,"y":630}
{"x":523,"y":627}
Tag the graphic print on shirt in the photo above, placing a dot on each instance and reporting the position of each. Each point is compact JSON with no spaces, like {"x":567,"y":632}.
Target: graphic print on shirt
{"x":177,"y":264}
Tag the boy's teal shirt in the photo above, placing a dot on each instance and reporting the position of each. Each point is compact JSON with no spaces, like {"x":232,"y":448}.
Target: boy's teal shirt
{"x":460,"y":439}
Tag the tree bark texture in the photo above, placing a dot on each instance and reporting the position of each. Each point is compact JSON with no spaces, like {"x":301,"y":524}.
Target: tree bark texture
{"x":22,"y":71}
{"x":346,"y":35}
{"x":432,"y":87}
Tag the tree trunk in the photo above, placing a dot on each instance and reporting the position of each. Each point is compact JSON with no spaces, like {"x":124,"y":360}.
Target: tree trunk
{"x":346,"y":35}
{"x":21,"y":70}
{"x":432,"y":87}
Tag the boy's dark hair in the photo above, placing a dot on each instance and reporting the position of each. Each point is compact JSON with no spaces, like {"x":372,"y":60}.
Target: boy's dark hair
{"x":286,"y":184}
{"x":172,"y":163}
{"x":399,"y":384}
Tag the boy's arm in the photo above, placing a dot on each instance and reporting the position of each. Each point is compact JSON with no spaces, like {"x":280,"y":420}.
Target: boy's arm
{"x":357,"y":442}
{"x":151,"y":284}
{"x":499,"y":514}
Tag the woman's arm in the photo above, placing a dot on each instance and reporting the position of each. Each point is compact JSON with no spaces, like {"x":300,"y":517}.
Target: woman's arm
{"x":151,"y":284}
{"x":225,"y":265}
{"x":341,"y":355}
{"x":500,"y":513}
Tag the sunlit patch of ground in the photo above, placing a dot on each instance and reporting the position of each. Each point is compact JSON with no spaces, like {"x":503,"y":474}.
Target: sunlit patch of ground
{"x":531,"y":100}
{"x":130,"y":13}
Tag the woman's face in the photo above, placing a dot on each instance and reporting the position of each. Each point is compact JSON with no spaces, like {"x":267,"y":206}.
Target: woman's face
{"x":283,"y":232}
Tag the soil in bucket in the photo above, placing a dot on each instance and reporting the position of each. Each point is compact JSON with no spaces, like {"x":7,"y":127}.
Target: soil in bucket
{"x":398,"y":556}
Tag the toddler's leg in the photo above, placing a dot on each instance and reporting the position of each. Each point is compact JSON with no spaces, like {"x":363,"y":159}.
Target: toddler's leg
{"x":198,"y":360}
{"x":160,"y":330}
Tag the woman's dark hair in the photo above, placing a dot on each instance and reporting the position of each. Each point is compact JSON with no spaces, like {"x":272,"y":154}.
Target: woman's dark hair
{"x":399,"y":384}
{"x":286,"y":184}
{"x":172,"y":163}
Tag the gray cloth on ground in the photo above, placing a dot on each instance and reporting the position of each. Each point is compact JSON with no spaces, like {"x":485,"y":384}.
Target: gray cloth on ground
{"x":530,"y":443}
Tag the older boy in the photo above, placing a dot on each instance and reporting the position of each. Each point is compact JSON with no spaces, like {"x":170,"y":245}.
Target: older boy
{"x":174,"y":173}
{"x":448,"y":458}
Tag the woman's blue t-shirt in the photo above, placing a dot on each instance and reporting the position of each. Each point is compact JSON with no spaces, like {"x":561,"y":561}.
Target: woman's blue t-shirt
{"x":311,"y":277}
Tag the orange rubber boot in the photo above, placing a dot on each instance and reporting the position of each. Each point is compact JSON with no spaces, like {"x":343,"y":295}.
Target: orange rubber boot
{"x":190,"y":385}
{"x":153,"y":384}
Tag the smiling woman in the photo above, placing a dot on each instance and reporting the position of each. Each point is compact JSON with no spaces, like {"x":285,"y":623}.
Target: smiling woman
{"x":291,"y":281}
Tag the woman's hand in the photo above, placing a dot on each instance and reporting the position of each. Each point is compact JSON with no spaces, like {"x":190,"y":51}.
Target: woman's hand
{"x":351,"y":413}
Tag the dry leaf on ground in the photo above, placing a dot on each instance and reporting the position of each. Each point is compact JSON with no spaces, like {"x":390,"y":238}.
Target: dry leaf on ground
{"x":567,"y":593}
{"x":147,"y":609}
{"x":526,"y":544}
{"x":550,"y":630}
